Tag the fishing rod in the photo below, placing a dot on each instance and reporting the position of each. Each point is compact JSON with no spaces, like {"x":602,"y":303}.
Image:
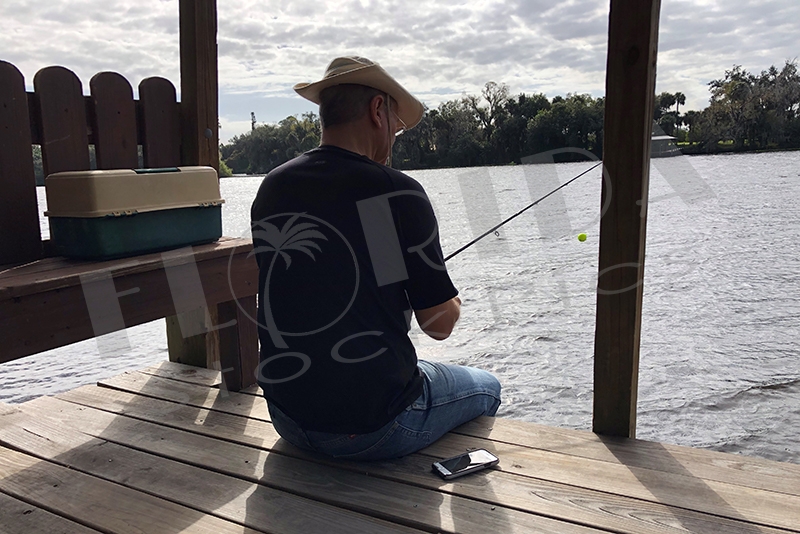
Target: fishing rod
{"x":520,"y":212}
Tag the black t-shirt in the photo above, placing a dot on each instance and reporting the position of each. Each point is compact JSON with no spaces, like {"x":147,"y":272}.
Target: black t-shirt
{"x":346,"y":249}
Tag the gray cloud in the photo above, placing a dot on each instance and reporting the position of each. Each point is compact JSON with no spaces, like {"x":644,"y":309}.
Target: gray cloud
{"x":440,"y":50}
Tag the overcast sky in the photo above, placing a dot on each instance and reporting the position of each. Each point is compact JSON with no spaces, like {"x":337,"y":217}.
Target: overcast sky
{"x":438,"y":49}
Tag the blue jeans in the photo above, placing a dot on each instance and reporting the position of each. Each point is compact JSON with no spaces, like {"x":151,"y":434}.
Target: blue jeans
{"x":452,"y":395}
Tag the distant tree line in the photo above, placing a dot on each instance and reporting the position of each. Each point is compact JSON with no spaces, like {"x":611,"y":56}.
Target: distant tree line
{"x":746,"y":112}
{"x":268,"y":145}
{"x":498,"y":129}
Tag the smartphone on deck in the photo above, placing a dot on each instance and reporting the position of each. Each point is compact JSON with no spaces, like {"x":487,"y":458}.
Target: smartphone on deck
{"x":464,"y":464}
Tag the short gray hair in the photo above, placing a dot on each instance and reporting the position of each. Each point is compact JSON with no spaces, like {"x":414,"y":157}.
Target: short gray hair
{"x":344,"y":103}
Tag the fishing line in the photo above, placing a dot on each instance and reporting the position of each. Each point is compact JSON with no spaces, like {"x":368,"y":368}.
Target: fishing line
{"x":520,"y":212}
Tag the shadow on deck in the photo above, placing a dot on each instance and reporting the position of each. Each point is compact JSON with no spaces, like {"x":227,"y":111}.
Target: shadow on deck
{"x":166,"y":450}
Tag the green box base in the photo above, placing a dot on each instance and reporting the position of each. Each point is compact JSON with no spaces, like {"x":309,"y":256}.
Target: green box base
{"x":130,"y":235}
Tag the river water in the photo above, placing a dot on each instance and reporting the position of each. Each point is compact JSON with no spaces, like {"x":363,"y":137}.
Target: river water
{"x":719,"y":365}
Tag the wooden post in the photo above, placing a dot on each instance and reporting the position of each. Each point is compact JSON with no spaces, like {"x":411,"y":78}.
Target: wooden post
{"x":201,"y":350}
{"x":199,"y":97}
{"x":630,"y":91}
{"x":199,"y":146}
{"x":238,"y":355}
{"x":235,"y":346}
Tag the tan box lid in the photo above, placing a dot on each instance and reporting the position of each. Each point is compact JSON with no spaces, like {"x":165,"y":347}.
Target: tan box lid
{"x":127,"y":191}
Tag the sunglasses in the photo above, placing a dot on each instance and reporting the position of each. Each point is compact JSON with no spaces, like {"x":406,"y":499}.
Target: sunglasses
{"x":402,"y":129}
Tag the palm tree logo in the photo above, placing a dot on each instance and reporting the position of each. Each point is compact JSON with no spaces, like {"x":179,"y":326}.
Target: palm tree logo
{"x":291,"y":236}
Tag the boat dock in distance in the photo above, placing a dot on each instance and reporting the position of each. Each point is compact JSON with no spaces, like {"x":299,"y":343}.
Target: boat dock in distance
{"x":663,"y":146}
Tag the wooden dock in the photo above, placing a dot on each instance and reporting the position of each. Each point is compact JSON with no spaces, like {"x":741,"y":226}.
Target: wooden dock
{"x":167,"y":450}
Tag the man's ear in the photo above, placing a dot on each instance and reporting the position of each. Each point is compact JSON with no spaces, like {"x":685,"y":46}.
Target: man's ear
{"x":377,"y":111}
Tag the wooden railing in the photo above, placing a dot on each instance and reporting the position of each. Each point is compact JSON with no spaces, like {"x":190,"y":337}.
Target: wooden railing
{"x":58,"y":117}
{"x":47,"y":302}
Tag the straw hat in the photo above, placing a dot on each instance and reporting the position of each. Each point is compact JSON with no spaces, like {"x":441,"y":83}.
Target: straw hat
{"x":361,"y":71}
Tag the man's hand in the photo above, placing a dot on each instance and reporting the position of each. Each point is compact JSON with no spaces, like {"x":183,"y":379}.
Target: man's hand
{"x":438,"y":322}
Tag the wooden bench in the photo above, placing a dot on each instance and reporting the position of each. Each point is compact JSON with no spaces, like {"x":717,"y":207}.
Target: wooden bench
{"x":207,"y":292}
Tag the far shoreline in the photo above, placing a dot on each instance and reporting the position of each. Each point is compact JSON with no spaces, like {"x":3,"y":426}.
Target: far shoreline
{"x":691,"y":154}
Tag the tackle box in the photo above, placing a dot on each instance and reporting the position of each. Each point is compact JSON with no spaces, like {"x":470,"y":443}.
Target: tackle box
{"x":116,"y":213}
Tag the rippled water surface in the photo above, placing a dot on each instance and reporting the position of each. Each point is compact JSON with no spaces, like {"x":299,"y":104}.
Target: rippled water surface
{"x":720,"y":363}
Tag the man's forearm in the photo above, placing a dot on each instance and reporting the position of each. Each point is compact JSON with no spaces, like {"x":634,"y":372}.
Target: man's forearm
{"x":438,"y":322}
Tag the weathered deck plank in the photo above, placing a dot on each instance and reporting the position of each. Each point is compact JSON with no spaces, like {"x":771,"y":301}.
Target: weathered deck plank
{"x":235,"y":403}
{"x":592,"y":508}
{"x":229,"y":498}
{"x":411,"y":505}
{"x":680,"y":490}
{"x":19,"y":517}
{"x":738,"y":469}
{"x":97,"y":503}
{"x":178,"y":442}
{"x":741,"y":470}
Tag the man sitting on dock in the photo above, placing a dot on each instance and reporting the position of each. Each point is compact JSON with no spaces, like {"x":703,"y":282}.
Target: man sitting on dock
{"x":348,"y":249}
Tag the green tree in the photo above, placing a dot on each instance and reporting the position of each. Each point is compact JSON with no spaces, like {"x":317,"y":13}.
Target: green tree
{"x":680,"y":100}
{"x":489,"y":116}
{"x":224,"y":170}
{"x":416,"y":148}
{"x":751,"y":111}
{"x":509,"y":135}
{"x":778,"y":92}
{"x":300,"y":135}
{"x":667,"y":122}
{"x":269,"y":145}
{"x":731,"y":110}
{"x":575,"y":121}
{"x":663,"y":103}
{"x":458,"y":136}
